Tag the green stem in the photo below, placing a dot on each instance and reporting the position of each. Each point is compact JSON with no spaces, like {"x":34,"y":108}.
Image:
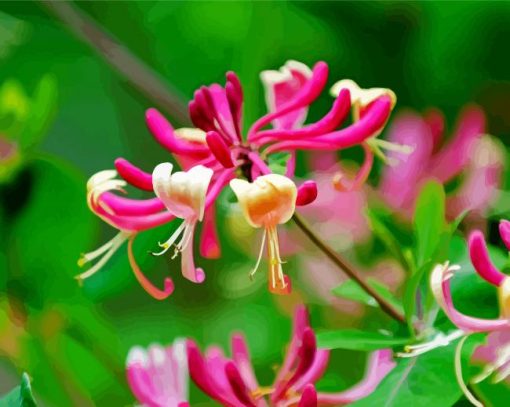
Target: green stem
{"x":347,"y":268}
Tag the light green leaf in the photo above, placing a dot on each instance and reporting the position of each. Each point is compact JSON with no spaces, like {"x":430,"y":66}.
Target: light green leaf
{"x":426,"y":380}
{"x":354,"y":339}
{"x":352,"y":291}
{"x":429,"y":220}
{"x":21,"y":396}
{"x":278,"y":162}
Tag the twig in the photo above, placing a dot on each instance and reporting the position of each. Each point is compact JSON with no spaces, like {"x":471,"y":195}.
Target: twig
{"x":347,"y":268}
{"x":148,"y":82}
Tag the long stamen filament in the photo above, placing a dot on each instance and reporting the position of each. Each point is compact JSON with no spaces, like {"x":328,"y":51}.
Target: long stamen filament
{"x":458,"y":374}
{"x":166,"y":245}
{"x":106,"y":250}
{"x":275,"y":261}
{"x":261,"y":252}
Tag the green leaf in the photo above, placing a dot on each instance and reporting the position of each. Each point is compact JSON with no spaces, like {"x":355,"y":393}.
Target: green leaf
{"x":426,"y":380}
{"x":278,"y":162}
{"x":411,"y":288}
{"x":21,"y":396}
{"x":354,"y":339}
{"x":352,"y":291}
{"x":380,"y":230}
{"x":429,"y":220}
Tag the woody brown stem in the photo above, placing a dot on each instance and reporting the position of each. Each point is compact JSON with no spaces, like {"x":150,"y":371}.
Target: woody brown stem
{"x":347,"y":268}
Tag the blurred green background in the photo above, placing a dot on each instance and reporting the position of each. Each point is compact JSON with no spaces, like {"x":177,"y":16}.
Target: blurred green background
{"x":73,"y":340}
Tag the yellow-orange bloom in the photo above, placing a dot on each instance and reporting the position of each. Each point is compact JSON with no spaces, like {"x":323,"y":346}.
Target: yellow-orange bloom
{"x":267,"y":202}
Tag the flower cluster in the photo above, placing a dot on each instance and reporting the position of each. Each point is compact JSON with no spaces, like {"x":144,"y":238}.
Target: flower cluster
{"x":215,"y":153}
{"x":158,"y":377}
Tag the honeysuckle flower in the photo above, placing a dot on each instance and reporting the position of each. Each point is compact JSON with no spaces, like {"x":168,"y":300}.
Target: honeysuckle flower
{"x":470,"y":153}
{"x":440,"y":284}
{"x":496,"y":353}
{"x":268,"y":201}
{"x":217,"y":143}
{"x":158,"y":376}
{"x":232,"y":382}
{"x":183,"y":195}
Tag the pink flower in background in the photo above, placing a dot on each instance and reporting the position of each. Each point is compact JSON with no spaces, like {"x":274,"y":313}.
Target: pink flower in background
{"x":217,"y":143}
{"x":467,"y":153}
{"x":159,"y":376}
{"x":232,"y":382}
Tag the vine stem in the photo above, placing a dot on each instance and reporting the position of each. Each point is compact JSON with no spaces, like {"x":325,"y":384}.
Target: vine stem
{"x":143,"y":77}
{"x":347,"y":268}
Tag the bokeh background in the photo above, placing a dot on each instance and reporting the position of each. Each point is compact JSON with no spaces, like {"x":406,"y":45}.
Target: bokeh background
{"x":73,"y":340}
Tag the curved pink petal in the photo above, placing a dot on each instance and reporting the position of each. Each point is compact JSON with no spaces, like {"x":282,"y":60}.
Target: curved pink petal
{"x":465,"y":322}
{"x":504,"y":232}
{"x":379,"y":365}
{"x":452,"y":158}
{"x":192,"y":273}
{"x":163,"y":132}
{"x":481,"y":260}
{"x":316,"y":370}
{"x":209,"y":240}
{"x":333,"y":119}
{"x":281,"y":87}
{"x":127,"y":206}
{"x":306,"y":353}
{"x":400,"y":182}
{"x":134,"y":175}
{"x":234,"y":92}
{"x":309,"y":397}
{"x":241,"y":357}
{"x":307,"y":94}
{"x":371,"y":122}
{"x":219,"y":149}
{"x":152,"y":290}
{"x":238,"y":386}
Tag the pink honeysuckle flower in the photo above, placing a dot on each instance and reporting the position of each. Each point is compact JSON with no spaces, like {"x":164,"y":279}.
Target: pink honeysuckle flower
{"x":232,"y":382}
{"x":188,"y":201}
{"x":470,"y":153}
{"x":217,"y":143}
{"x":159,"y":376}
{"x":440,"y":284}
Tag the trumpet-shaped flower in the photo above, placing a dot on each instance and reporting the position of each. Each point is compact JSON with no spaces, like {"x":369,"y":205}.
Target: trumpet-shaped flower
{"x":232,"y":382}
{"x":183,"y":195}
{"x":440,"y":284}
{"x":159,"y":376}
{"x":496,"y":354}
{"x":217,"y":143}
{"x":268,"y":201}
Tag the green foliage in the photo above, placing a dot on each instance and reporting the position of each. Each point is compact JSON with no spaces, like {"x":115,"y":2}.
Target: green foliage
{"x":357,"y":340}
{"x":352,"y":291}
{"x":426,"y":380}
{"x":21,"y":396}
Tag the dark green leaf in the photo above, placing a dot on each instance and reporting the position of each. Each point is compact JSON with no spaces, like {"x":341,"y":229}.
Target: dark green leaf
{"x":357,"y":340}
